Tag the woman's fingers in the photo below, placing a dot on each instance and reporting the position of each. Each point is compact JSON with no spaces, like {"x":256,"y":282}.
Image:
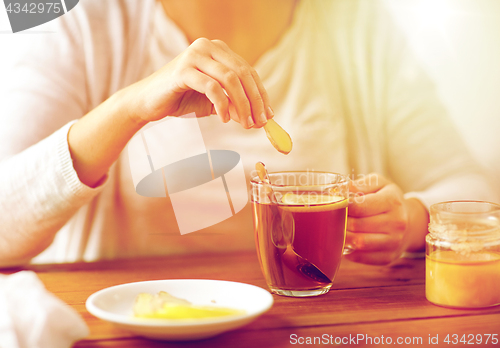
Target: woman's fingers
{"x":370,"y":183}
{"x":202,"y":83}
{"x":206,"y":73}
{"x":265,"y":97}
{"x":227,"y":80}
{"x":384,"y":257}
{"x":372,"y":241}
{"x":378,"y":222}
{"x":381,"y":223}
{"x":379,"y":202}
{"x":253,"y":87}
{"x":231,"y":83}
{"x":233,"y":113}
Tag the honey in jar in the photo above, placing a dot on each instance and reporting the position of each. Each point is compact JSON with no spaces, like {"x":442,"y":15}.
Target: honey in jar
{"x":463,"y":255}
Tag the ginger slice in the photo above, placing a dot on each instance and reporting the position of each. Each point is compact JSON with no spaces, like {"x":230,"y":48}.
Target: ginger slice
{"x":278,"y":137}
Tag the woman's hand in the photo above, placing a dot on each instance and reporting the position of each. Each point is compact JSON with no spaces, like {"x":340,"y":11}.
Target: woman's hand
{"x":195,"y":81}
{"x":382,"y":224}
{"x":206,"y":77}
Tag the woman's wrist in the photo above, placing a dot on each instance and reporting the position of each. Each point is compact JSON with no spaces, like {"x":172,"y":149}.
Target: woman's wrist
{"x":97,"y":139}
{"x":129,"y":104}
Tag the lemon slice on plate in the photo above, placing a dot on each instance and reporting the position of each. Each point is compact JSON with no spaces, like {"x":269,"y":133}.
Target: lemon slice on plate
{"x":310,"y":199}
{"x":165,"y":306}
{"x":184,"y":312}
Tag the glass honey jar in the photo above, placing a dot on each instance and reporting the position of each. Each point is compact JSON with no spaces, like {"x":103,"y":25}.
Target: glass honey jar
{"x":463,"y":254}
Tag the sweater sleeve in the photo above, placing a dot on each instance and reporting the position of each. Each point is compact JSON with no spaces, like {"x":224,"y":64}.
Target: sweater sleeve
{"x":54,"y":77}
{"x":40,"y":192}
{"x":42,"y":90}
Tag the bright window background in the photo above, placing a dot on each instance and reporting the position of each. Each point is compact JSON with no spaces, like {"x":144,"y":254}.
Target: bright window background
{"x":458,"y":42}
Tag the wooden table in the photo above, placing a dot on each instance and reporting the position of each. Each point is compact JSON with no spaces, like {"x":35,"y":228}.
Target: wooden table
{"x":365,"y":300}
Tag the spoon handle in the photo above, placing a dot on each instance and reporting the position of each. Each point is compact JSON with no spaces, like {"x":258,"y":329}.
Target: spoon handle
{"x":266,"y":182}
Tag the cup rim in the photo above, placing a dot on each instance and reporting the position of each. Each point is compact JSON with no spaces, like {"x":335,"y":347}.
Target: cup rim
{"x":344,"y":178}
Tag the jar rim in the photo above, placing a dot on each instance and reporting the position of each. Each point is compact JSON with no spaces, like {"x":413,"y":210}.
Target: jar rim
{"x":447,"y":208}
{"x":478,"y":220}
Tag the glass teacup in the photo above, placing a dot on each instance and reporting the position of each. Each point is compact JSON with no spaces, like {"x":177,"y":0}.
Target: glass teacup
{"x":300,"y":227}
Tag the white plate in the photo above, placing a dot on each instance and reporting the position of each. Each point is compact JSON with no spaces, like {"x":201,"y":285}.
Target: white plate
{"x":115,"y":304}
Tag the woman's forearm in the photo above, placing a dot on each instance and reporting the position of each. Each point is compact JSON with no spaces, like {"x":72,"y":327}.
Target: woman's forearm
{"x":97,"y":139}
{"x":41,"y":187}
